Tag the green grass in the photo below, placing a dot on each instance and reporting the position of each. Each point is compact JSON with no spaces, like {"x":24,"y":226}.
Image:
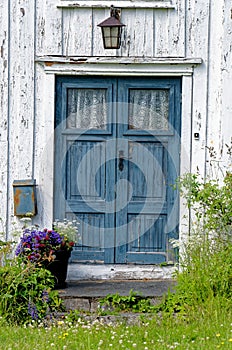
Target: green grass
{"x":207,"y":329}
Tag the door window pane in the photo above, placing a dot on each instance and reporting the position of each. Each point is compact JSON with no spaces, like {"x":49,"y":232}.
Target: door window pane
{"x":86,"y":108}
{"x":148,"y":109}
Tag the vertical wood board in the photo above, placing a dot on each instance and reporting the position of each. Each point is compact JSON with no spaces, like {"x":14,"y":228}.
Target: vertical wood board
{"x":21,"y":93}
{"x":4,"y":64}
{"x":22,"y":88}
{"x":44,"y":145}
{"x":226,"y":120}
{"x":77,"y":32}
{"x":197,"y":31}
{"x":48,"y":28}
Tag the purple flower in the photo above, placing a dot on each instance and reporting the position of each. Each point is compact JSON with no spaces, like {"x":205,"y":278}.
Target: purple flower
{"x":32,"y":310}
{"x":45,"y":296}
{"x":38,"y":246}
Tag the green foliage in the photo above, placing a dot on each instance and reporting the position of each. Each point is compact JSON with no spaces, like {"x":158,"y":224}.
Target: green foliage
{"x":25,"y":291}
{"x":210,"y":200}
{"x":205,"y":275}
{"x":132,"y":302}
{"x":206,"y":260}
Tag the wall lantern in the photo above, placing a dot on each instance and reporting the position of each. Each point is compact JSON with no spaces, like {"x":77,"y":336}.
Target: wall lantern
{"x":112,"y":29}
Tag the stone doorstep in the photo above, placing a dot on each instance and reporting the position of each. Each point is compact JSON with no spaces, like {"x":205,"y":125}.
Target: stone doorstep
{"x":91,"y":305}
{"x":85,"y":295}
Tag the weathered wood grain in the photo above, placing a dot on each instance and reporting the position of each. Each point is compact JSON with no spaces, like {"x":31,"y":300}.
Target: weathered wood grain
{"x":197,"y":41}
{"x":4,"y":63}
{"x":21,"y":94}
{"x":48,"y":23}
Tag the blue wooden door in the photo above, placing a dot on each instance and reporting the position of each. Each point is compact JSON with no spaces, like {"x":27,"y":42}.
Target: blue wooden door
{"x":117,"y":145}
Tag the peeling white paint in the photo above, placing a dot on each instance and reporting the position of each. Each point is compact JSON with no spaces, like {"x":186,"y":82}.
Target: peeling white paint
{"x":118,"y":272}
{"x":42,"y":38}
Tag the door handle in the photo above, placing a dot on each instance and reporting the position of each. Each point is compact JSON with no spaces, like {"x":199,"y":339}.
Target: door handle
{"x":121,"y":159}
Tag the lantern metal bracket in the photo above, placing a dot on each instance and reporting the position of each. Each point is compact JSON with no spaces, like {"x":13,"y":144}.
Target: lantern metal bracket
{"x":115,"y":12}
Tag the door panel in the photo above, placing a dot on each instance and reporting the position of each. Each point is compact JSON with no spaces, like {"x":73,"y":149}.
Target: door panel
{"x":143,"y":173}
{"x":116,"y":156}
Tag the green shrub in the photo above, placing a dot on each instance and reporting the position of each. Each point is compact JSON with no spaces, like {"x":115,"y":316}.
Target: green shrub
{"x":25,"y":290}
{"x":210,"y":200}
{"x":206,"y":260}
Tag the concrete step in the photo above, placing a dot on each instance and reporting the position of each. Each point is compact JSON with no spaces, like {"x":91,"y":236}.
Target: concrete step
{"x":85,"y":295}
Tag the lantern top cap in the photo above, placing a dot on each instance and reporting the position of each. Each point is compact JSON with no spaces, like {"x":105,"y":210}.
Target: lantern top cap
{"x":111,"y":22}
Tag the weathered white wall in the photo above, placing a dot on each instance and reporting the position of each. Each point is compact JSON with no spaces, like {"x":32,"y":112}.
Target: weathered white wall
{"x":4,"y":37}
{"x":30,"y":30}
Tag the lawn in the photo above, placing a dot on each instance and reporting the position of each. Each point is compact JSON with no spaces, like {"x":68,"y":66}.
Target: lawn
{"x":210,"y":329}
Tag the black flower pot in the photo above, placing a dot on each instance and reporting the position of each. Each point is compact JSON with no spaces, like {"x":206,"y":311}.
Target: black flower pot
{"x":59,"y":268}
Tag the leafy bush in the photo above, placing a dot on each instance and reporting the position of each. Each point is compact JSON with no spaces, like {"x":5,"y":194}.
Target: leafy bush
{"x":25,"y":290}
{"x":210,"y":200}
{"x":26,"y":293}
{"x":206,"y":261}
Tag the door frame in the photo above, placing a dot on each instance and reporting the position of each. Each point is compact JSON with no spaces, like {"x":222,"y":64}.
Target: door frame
{"x":182,"y":68}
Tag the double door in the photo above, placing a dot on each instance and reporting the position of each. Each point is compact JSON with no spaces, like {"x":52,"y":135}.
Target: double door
{"x":117,"y":143}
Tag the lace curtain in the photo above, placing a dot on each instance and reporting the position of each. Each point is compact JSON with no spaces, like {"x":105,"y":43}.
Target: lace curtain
{"x":86,"y":109}
{"x":148,"y":109}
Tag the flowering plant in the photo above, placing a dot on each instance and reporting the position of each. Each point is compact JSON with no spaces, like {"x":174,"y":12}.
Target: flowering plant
{"x":40,"y":246}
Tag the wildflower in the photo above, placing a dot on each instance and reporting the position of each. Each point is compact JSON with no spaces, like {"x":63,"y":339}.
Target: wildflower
{"x":218,"y":335}
{"x":45,"y":296}
{"x":230,"y":339}
{"x":32,"y":310}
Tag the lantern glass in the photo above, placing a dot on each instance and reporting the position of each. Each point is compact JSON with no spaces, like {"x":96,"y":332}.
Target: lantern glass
{"x":111,"y":37}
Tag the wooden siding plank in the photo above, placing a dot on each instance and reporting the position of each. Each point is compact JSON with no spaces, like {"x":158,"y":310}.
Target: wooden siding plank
{"x":4,"y":64}
{"x":220,"y":66}
{"x":186,"y":147}
{"x":142,"y":33}
{"x":77,"y":32}
{"x":168,"y":33}
{"x":176,"y":30}
{"x":22,"y":88}
{"x":226,"y":120}
{"x":197,"y":37}
{"x":44,"y":145}
{"x":127,"y":47}
{"x":21,"y":93}
{"x":48,"y":28}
